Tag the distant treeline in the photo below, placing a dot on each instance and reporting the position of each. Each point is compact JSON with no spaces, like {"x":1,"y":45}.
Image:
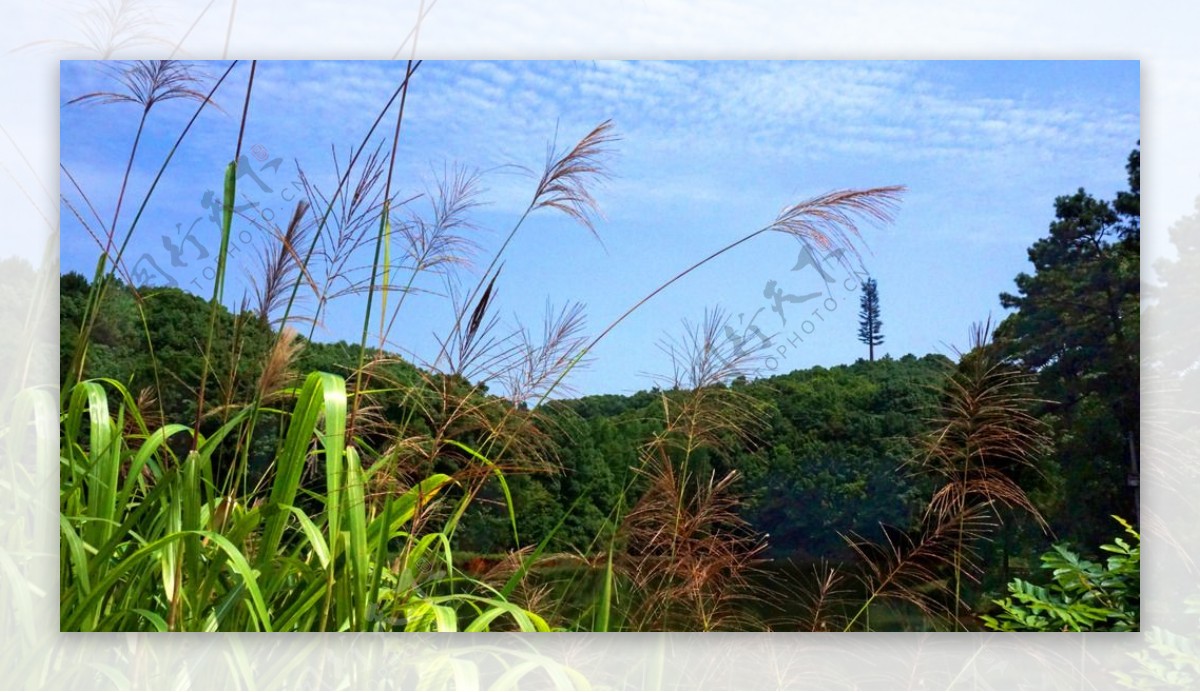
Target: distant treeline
{"x":827,"y":459}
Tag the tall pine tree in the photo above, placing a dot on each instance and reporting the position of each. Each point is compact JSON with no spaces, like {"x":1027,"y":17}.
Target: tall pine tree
{"x":868,"y":318}
{"x":1076,"y":325}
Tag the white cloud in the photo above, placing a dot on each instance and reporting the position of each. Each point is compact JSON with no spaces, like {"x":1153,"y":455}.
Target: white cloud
{"x":701,"y":133}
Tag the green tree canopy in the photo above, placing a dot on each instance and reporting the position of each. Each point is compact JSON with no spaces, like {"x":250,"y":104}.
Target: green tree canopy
{"x":1077,"y":324}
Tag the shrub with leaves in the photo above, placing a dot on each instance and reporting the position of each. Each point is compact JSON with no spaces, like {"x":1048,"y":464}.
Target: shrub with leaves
{"x":1082,"y":596}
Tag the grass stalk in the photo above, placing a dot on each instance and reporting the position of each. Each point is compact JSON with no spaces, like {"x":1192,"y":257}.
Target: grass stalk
{"x":339,"y":190}
{"x":102,"y":278}
{"x":228,"y":200}
{"x":384,"y":231}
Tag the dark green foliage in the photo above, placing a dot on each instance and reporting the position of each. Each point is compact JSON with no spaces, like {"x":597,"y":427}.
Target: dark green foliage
{"x":1082,"y":595}
{"x":869,"y":325}
{"x":832,"y":461}
{"x":595,"y":449}
{"x":828,"y":462}
{"x":1077,"y":326}
{"x":173,"y":321}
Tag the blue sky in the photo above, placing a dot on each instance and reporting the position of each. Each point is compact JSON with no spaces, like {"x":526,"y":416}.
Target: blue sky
{"x":709,"y":152}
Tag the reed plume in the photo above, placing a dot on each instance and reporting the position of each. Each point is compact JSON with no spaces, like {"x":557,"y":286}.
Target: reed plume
{"x":279,"y":266}
{"x":568,"y":176}
{"x":982,"y":436}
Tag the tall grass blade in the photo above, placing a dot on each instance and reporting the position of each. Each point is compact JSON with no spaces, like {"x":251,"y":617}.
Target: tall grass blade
{"x":102,"y":460}
{"x":407,"y":505}
{"x":386,"y":268}
{"x":227,"y":204}
{"x":604,"y":611}
{"x":313,"y":534}
{"x":238,"y":562}
{"x":359,"y":556}
{"x":321,"y":393}
{"x":143,"y":458}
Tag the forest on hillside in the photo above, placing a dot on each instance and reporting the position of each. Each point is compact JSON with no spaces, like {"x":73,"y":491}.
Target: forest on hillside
{"x":828,"y":444}
{"x":221,"y":470}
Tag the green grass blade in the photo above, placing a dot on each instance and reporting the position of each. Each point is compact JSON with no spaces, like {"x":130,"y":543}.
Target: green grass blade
{"x":140,"y":460}
{"x":249,"y":577}
{"x":380,"y":547}
{"x":334,"y":443}
{"x":526,"y":621}
{"x":445,"y":618}
{"x":408,"y":504}
{"x":289,"y":619}
{"x":387,"y":268}
{"x":189,"y":500}
{"x":237,"y":562}
{"x":604,"y":611}
{"x":315,"y":540}
{"x":102,"y":460}
{"x":320,"y":391}
{"x":210,"y":444}
{"x":230,"y":199}
{"x":78,"y":557}
{"x":512,"y":516}
{"x":359,"y":557}
{"x":160,"y":625}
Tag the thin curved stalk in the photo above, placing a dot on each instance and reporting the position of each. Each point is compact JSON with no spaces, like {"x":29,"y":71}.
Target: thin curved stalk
{"x":222,"y":255}
{"x":384,"y":228}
